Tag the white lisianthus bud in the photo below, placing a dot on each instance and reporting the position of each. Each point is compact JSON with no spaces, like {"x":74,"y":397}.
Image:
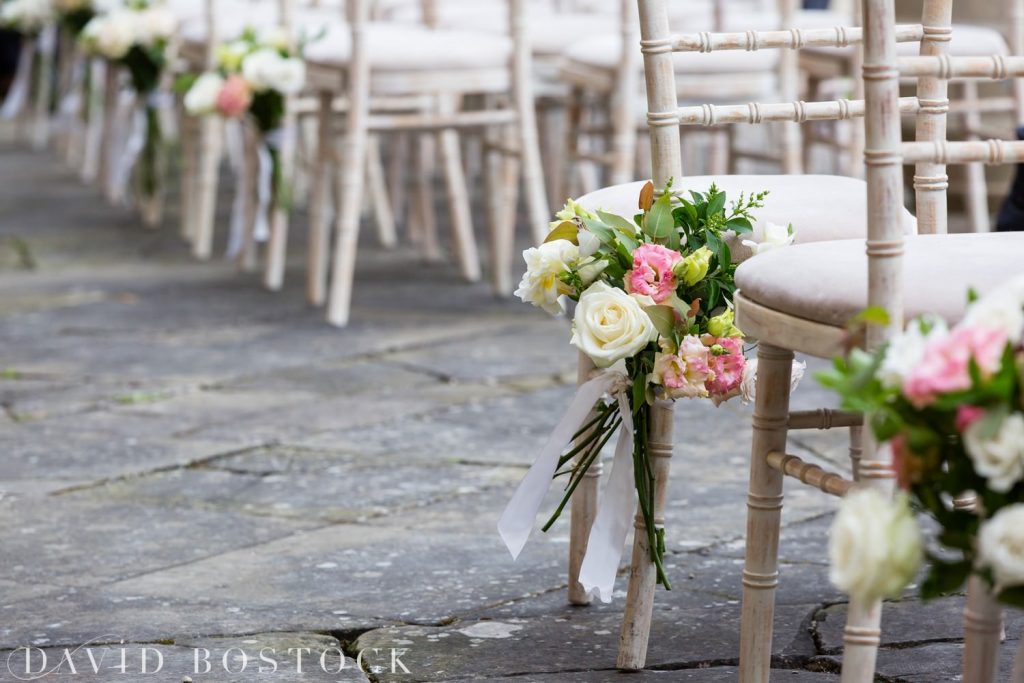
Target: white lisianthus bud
{"x":589,"y":243}
{"x":875,"y":546}
{"x":1001,"y":546}
{"x":541,"y":284}
{"x":610,"y":325}
{"x":997,"y":454}
{"x":773,"y":237}
{"x":201,"y":98}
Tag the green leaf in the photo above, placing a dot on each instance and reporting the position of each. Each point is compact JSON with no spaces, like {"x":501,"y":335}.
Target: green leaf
{"x":664,"y":319}
{"x":872,"y":315}
{"x":658,"y":222}
{"x":184,"y":82}
{"x":617,"y":221}
{"x":944,"y":577}
{"x":716,"y":202}
{"x":602,"y":231}
{"x":566,"y":230}
{"x":739,"y":225}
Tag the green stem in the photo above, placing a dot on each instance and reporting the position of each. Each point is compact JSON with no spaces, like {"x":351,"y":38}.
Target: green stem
{"x":580,"y":471}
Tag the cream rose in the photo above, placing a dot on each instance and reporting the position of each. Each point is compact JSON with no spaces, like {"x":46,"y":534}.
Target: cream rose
{"x":772,"y":237}
{"x":998,"y":457}
{"x":111,"y":35}
{"x":1001,"y":546}
{"x":610,"y":325}
{"x":875,"y":546}
{"x":266,"y":69}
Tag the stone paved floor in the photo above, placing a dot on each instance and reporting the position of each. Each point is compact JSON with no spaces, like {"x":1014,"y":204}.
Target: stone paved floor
{"x":190,"y":464}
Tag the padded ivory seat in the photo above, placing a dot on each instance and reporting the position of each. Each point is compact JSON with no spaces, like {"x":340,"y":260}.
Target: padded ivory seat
{"x":820,"y":207}
{"x":823,"y":285}
{"x":234,"y":16}
{"x":401,"y":47}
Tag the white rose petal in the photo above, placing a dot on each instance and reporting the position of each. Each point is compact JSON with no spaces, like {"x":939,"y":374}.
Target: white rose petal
{"x":540,"y":285}
{"x":999,"y":457}
{"x":610,"y":325}
{"x":1000,"y":309}
{"x":874,"y":545}
{"x":266,"y":69}
{"x":1001,"y":546}
{"x":905,"y":350}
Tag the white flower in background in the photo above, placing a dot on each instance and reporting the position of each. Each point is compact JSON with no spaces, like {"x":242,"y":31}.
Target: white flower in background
{"x":610,"y":325}
{"x":541,"y":285}
{"x":266,"y":69}
{"x":748,"y":381}
{"x":275,"y":37}
{"x":773,"y":236}
{"x":1000,"y":309}
{"x":874,"y":546}
{"x":111,"y":35}
{"x":997,"y":454}
{"x":26,"y":15}
{"x":905,"y":350}
{"x":66,"y":6}
{"x":230,"y":55}
{"x":154,"y":24}
{"x":201,"y":98}
{"x":1001,"y":546}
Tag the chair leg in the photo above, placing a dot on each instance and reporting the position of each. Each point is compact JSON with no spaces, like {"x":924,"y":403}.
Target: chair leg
{"x":583,"y":508}
{"x":458,"y":198}
{"x":636,"y":622}
{"x":856,"y":450}
{"x":189,"y":184}
{"x":425,"y":219}
{"x":319,"y":209}
{"x":977,"y":191}
{"x":93,"y":142}
{"x":280,"y":205}
{"x":983,"y":620}
{"x":247,"y":255}
{"x":764,"y":513}
{"x":204,"y":187}
{"x":398,"y":160}
{"x":44,"y":86}
{"x":565,"y":181}
{"x":377,"y":185}
{"x":108,"y":136}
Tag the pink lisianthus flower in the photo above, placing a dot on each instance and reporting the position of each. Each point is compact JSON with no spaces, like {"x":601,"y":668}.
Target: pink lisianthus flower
{"x":945,"y":366}
{"x":726,"y":361}
{"x":966,"y":415}
{"x":652,"y":272}
{"x":234,"y":98}
{"x":684,"y":374}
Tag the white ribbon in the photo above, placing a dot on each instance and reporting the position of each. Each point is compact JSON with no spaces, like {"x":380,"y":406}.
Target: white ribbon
{"x":608,"y":534}
{"x":121,"y":171}
{"x":71,"y":102}
{"x":234,"y":144}
{"x":264,"y":186}
{"x":17,"y":95}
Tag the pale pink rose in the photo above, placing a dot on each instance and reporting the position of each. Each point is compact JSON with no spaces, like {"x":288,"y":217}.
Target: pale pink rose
{"x":684,"y":374}
{"x":726,"y":361}
{"x":234,"y":98}
{"x":652,"y":272}
{"x":966,"y":415}
{"x":944,"y":368}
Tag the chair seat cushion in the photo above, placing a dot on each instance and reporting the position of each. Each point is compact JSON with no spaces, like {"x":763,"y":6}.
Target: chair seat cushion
{"x":820,"y":207}
{"x":604,"y":52}
{"x":826,"y":282}
{"x":407,"y":47}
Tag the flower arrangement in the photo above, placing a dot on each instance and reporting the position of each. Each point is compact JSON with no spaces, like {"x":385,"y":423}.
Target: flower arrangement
{"x":27,"y":17}
{"x":950,"y":404}
{"x":653,"y":296}
{"x":138,"y":37}
{"x":74,"y":14}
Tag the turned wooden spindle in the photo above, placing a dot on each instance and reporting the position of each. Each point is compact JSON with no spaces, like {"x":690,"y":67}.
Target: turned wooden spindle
{"x":636,"y":622}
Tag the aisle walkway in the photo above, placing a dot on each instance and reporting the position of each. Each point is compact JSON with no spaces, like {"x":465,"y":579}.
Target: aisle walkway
{"x":189,"y":463}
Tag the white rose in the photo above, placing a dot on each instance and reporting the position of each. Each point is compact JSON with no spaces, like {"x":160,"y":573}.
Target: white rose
{"x":904,"y":352}
{"x":155,"y":24}
{"x":290,"y":77}
{"x":275,"y":37}
{"x":1000,"y":309}
{"x":772,"y":237}
{"x":1001,"y":546}
{"x":111,"y":35}
{"x":874,"y":545}
{"x":26,"y":15}
{"x":998,"y":457}
{"x":201,"y":98}
{"x":610,"y":325}
{"x":540,"y":285}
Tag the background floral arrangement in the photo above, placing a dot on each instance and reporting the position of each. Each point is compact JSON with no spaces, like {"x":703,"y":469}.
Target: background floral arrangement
{"x":74,"y":14}
{"x":27,"y":17}
{"x":653,"y":294}
{"x":137,"y":37}
{"x":950,"y":402}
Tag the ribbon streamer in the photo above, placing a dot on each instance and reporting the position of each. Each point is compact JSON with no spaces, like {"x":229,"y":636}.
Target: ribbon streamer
{"x":608,"y":535}
{"x":17,"y":94}
{"x":121,"y":173}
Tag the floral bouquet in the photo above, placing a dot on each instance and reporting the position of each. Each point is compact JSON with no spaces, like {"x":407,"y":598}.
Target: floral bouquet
{"x":137,"y":37}
{"x":653,"y":298}
{"x":27,"y":17}
{"x":74,"y":14}
{"x":950,"y":404}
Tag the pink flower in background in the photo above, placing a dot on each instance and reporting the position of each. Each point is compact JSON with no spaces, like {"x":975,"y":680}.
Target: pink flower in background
{"x":966,"y":415}
{"x":684,"y":374}
{"x":652,"y":272}
{"x":726,"y":361}
{"x":945,"y":365}
{"x":234,"y":98}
